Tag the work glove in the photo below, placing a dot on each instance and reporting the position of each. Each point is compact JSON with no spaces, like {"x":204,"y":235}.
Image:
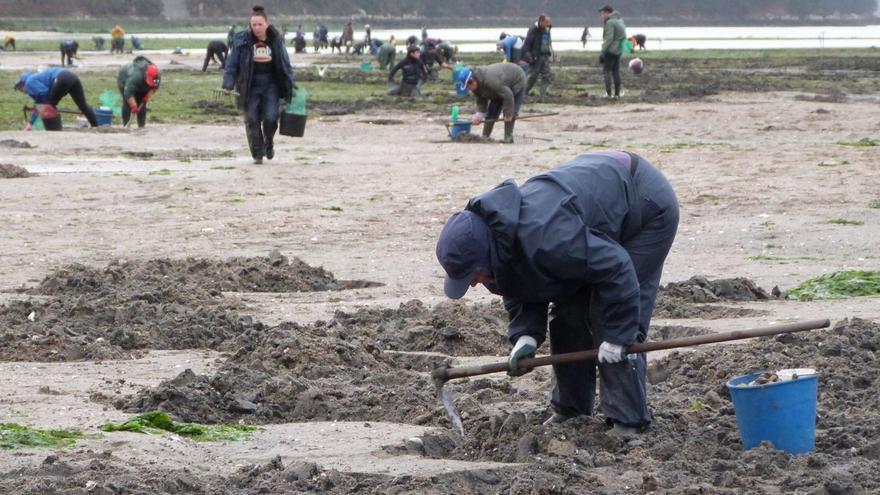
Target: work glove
{"x":611,"y":353}
{"x":28,"y":127}
{"x":133,"y":107}
{"x":478,"y":118}
{"x":525,"y":347}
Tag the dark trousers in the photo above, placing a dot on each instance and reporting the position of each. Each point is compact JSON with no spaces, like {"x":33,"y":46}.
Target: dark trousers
{"x":212,"y":53}
{"x":142,"y":113}
{"x":67,"y":83}
{"x":495,"y":108}
{"x":575,"y":324}
{"x":539,"y":68}
{"x":70,"y":54}
{"x":611,"y":70}
{"x":261,"y":114}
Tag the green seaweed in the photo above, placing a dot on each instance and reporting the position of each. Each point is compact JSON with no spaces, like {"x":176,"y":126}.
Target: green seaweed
{"x":874,"y":204}
{"x":157,"y":422}
{"x":839,"y":285}
{"x":15,"y":436}
{"x":843,"y":221}
{"x":861,"y":143}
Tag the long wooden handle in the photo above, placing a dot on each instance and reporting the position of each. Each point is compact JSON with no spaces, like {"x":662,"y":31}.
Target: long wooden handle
{"x":444,"y":374}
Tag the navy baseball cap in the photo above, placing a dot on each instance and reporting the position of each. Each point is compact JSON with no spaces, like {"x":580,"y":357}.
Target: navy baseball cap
{"x":463,"y":250}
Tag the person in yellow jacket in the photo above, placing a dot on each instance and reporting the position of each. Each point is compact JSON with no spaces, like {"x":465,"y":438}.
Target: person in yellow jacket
{"x":117,"y":36}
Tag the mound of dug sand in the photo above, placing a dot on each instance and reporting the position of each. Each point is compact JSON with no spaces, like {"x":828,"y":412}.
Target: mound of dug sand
{"x":130,"y":306}
{"x":333,"y":370}
{"x":8,"y":171}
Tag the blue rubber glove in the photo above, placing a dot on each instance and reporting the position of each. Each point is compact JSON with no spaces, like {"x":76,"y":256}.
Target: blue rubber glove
{"x":525,"y":347}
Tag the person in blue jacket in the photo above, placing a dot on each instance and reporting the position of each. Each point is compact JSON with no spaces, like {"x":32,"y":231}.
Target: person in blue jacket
{"x":512,"y":46}
{"x":591,"y":237}
{"x":259,"y":69}
{"x":47,"y":88}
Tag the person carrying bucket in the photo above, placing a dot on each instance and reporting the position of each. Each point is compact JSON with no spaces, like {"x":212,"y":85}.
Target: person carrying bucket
{"x":259,"y":69}
{"x":47,"y":88}
{"x":613,"y":34}
{"x":499,"y":89}
{"x":591,"y":237}
{"x":137,"y":81}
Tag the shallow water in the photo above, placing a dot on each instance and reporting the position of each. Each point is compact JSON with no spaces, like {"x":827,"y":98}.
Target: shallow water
{"x":568,"y":38}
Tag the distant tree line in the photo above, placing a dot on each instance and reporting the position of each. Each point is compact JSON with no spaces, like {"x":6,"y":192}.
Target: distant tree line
{"x":716,"y":10}
{"x":708,"y":10}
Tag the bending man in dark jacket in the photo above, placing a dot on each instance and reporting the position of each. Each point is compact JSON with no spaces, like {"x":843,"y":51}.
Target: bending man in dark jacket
{"x":218,"y":49}
{"x":499,"y":88}
{"x":413,"y":73}
{"x":591,"y":237}
{"x":259,"y":68}
{"x":537,"y":51}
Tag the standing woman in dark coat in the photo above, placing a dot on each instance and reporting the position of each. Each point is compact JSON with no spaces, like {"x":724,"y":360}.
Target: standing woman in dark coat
{"x":259,"y":69}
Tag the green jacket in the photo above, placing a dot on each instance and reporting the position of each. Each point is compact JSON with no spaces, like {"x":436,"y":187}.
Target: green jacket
{"x":499,"y":82}
{"x":132,"y":78}
{"x":613,"y":34}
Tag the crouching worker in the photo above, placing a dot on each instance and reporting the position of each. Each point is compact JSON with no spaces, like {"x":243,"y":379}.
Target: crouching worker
{"x":47,"y":88}
{"x":259,"y":68}
{"x":138,"y":81}
{"x":591,"y":237}
{"x":413,"y":73}
{"x":499,"y":89}
{"x":68,"y":50}
{"x":216,"y":49}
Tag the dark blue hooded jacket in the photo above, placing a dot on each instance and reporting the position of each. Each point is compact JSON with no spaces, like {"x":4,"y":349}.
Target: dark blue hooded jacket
{"x":561,"y":232}
{"x":239,"y":65}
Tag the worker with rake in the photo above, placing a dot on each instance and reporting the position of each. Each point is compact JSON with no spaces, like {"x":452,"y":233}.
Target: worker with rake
{"x":579,"y":250}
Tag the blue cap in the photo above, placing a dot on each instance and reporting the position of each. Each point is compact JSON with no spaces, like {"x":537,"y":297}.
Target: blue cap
{"x":464,"y":76}
{"x":463,"y":250}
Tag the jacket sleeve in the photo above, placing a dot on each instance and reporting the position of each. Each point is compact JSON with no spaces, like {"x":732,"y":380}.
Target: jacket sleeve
{"x":396,"y":68}
{"x":231,"y":72}
{"x":482,"y":103}
{"x":288,"y":70}
{"x":528,"y":44}
{"x":526,"y":319}
{"x":607,"y":37}
{"x":611,"y":272}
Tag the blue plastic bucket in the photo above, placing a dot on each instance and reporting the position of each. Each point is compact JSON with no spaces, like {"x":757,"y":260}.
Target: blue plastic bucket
{"x":782,"y":413}
{"x":459,"y":127}
{"x":104,"y":117}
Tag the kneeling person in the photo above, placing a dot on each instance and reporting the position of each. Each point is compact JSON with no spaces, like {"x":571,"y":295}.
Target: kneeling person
{"x":413,"y":73}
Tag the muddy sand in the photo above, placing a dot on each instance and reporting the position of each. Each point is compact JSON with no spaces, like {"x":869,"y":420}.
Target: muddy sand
{"x":196,"y":319}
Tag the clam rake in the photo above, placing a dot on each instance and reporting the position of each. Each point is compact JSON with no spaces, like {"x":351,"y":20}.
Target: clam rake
{"x":443,"y":374}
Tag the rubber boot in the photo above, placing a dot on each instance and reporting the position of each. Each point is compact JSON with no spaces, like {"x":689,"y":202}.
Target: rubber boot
{"x":508,"y":132}
{"x":270,"y":150}
{"x":487,"y":128}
